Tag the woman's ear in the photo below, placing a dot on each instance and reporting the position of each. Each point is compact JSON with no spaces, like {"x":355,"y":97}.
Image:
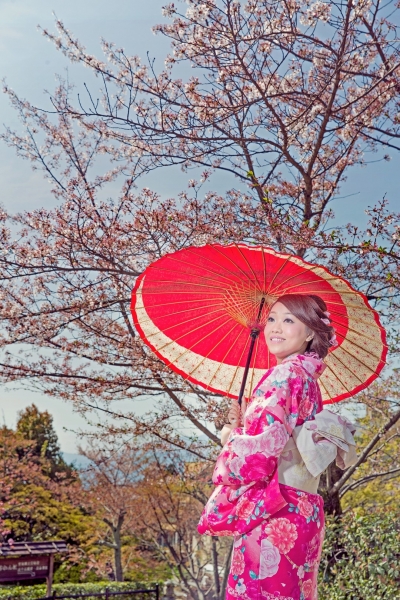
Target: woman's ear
{"x":310,"y":336}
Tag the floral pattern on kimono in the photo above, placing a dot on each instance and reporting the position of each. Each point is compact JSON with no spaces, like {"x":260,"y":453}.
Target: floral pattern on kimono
{"x":280,"y":559}
{"x":275,"y":526}
{"x":246,"y":472}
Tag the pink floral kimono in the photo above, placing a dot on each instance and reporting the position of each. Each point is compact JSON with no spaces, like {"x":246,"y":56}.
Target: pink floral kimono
{"x":266,"y":481}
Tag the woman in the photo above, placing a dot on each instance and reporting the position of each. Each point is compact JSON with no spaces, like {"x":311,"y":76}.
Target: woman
{"x":268,"y":472}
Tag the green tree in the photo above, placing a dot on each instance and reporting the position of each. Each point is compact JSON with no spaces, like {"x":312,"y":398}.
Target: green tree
{"x":38,"y":504}
{"x":37,"y":427}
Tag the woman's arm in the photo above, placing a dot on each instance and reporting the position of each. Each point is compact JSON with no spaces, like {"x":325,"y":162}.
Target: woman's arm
{"x":249,"y":458}
{"x":225,"y":433}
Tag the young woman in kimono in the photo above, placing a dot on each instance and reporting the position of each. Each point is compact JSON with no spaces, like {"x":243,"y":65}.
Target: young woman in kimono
{"x":268,"y":472}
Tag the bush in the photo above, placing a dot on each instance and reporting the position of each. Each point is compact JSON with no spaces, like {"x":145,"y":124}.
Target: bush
{"x":39,"y":591}
{"x":360,"y":558}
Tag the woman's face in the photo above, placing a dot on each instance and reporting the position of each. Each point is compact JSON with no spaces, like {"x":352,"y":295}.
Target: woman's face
{"x":284,"y":333}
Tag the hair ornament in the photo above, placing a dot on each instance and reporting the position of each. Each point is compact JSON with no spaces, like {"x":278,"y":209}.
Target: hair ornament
{"x":333,"y":341}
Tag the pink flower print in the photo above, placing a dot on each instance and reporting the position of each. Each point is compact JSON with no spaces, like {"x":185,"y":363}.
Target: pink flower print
{"x":309,"y":366}
{"x":245,"y":509}
{"x":314,"y":548}
{"x":273,"y":440}
{"x":257,"y":466}
{"x":238,"y":565}
{"x":269,"y":559}
{"x":225,"y":454}
{"x":305,"y":507}
{"x":235,"y":464}
{"x":300,"y":572}
{"x":244,"y":445}
{"x":271,"y":399}
{"x":307,"y":588}
{"x":306,"y":408}
{"x":252,"y":589}
{"x":282,"y":534}
{"x":217,"y":478}
{"x":281,"y":373}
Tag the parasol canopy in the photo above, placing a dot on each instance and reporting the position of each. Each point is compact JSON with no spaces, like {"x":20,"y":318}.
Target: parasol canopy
{"x":195,"y":308}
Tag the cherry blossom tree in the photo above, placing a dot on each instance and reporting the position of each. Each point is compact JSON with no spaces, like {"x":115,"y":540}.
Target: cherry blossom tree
{"x":283,"y":99}
{"x":169,"y":495}
{"x":285,"y":95}
{"x":110,"y":482}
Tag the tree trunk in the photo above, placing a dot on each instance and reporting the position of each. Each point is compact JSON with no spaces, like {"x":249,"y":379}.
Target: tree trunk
{"x":332,"y":504}
{"x":116,"y":531}
{"x":226,"y":573}
{"x":214,"y":541}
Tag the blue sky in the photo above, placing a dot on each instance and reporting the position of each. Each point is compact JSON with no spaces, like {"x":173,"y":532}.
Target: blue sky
{"x":29,"y":63}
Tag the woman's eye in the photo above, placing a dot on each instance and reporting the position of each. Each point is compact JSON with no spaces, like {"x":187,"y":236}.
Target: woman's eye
{"x":270,"y":319}
{"x":287,"y":320}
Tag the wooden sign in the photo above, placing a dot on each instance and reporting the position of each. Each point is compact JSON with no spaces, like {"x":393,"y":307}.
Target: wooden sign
{"x":24,"y":567}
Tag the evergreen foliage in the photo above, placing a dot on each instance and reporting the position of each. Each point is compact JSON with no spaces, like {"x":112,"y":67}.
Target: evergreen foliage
{"x":360,"y":558}
{"x":37,"y":427}
{"x":39,"y":591}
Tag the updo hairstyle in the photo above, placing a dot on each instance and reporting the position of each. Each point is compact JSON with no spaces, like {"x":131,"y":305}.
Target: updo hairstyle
{"x":310,"y":310}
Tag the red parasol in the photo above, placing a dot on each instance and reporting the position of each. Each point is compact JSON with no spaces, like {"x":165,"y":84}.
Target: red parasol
{"x":200,"y":309}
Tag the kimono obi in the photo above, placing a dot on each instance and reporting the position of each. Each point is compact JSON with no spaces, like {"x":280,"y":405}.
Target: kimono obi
{"x":312,"y":447}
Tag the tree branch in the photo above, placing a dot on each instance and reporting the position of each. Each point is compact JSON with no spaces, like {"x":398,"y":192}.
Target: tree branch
{"x":186,"y":411}
{"x":363,"y":480}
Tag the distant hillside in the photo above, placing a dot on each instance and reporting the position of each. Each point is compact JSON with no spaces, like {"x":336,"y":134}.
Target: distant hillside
{"x":79,"y":462}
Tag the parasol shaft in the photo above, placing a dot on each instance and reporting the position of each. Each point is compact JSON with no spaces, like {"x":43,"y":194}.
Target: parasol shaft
{"x":255,"y":332}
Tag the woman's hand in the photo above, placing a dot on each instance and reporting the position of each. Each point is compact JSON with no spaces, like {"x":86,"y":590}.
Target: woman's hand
{"x":235,"y":418}
{"x":236,"y":413}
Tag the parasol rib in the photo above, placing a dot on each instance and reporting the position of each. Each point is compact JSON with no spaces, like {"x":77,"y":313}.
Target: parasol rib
{"x":195,"y":342}
{"x":225,"y":268}
{"x":230,"y":260}
{"x":248,"y":264}
{"x":221,"y":363}
{"x":231,"y":273}
{"x":213,"y":348}
{"x":281,"y":268}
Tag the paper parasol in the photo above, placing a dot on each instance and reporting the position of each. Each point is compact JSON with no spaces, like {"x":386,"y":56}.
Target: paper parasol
{"x":195,"y":308}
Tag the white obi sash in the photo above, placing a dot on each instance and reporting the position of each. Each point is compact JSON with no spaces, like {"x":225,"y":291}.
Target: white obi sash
{"x":313,"y":447}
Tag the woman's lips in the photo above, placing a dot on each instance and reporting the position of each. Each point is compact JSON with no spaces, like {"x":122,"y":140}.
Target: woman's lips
{"x":277,"y":339}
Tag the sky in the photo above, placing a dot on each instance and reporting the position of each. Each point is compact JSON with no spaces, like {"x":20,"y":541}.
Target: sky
{"x":29,"y":64}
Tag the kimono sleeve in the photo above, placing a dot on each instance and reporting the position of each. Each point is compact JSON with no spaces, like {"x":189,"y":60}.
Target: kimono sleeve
{"x":253,"y":456}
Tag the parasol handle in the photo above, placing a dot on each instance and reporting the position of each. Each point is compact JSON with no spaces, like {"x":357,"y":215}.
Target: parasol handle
{"x":255,"y":332}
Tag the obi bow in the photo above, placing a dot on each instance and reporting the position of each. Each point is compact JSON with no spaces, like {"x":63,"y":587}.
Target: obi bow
{"x":326,"y":438}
